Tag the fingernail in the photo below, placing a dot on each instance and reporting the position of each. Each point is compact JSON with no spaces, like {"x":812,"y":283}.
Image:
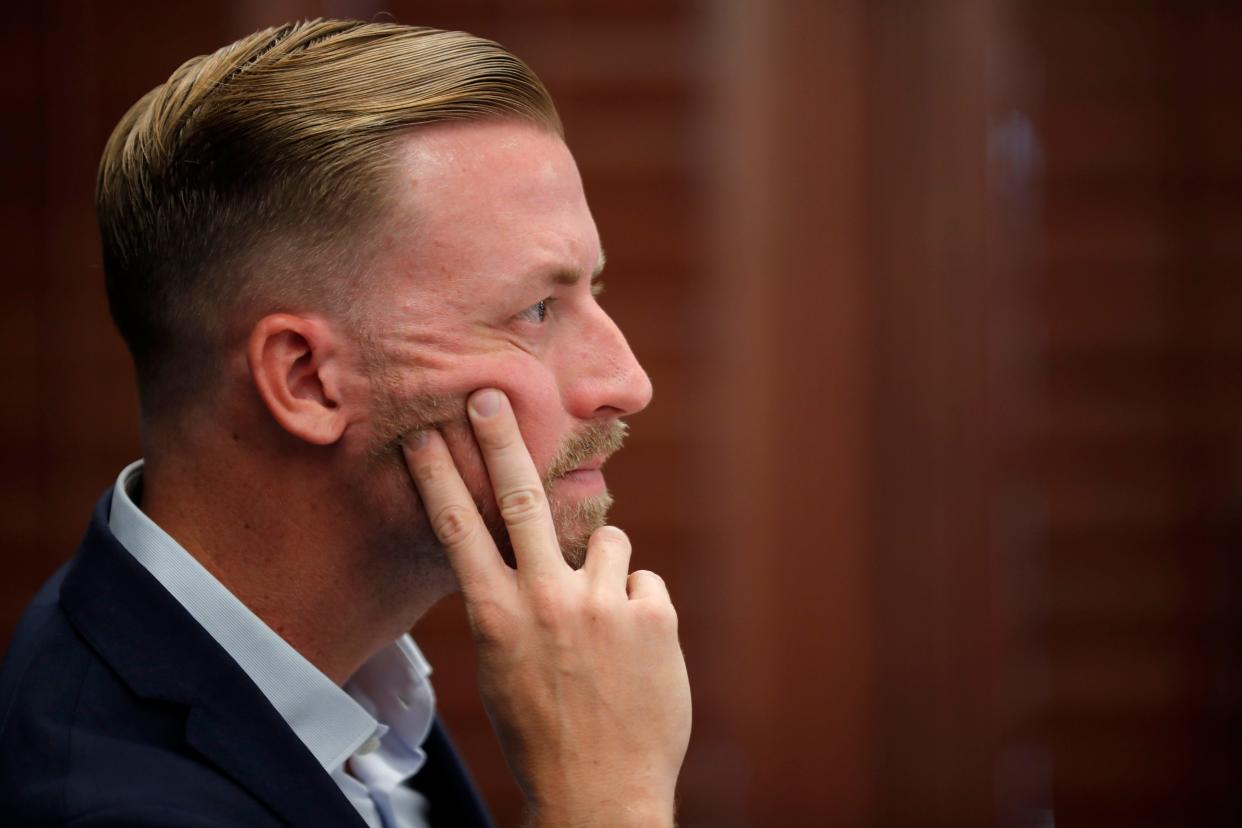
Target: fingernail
{"x":485,"y":403}
{"x":417,"y":440}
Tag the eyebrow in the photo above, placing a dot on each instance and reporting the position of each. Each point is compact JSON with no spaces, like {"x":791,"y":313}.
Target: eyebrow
{"x":570,"y":277}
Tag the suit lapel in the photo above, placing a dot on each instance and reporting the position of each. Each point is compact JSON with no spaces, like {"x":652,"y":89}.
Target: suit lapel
{"x":298,"y":790}
{"x":443,"y":780}
{"x":158,"y":649}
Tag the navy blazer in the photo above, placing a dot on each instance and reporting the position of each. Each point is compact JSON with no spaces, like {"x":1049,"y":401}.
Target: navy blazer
{"x":118,"y":709}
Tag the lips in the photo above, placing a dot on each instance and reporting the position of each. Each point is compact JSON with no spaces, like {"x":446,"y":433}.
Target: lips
{"x":587,"y":474}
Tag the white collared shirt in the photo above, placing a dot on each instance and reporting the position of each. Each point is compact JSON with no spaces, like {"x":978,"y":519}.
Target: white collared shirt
{"x":376,"y":724}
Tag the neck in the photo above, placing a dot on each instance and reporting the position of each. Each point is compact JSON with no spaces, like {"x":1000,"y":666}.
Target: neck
{"x":288,"y":545}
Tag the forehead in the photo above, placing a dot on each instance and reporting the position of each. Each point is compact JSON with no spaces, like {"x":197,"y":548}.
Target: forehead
{"x":494,"y":200}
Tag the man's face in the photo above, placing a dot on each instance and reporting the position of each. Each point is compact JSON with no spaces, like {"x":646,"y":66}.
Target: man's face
{"x":486,"y":280}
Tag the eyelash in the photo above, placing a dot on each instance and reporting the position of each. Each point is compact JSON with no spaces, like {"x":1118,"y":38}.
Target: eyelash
{"x":537,"y":313}
{"x":540,"y":310}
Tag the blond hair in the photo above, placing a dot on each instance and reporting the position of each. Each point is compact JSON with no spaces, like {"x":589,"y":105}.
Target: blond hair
{"x":248,"y":181}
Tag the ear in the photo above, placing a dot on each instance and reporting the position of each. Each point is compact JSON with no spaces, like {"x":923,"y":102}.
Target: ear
{"x":297,"y":365}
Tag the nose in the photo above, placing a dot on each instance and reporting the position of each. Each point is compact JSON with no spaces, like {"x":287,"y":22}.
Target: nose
{"x":602,"y":376}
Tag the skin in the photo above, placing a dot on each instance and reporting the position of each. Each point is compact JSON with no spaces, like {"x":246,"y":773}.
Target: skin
{"x":580,"y":669}
{"x":463,"y":274}
{"x":293,"y":482}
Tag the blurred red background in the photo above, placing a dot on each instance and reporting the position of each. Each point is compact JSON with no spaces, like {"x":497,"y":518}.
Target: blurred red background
{"x":942,"y":305}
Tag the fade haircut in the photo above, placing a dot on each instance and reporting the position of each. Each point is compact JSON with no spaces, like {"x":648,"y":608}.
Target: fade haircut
{"x":252,"y":180}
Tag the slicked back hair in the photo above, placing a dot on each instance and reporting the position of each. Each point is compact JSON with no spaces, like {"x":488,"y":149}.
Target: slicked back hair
{"x":248,"y":181}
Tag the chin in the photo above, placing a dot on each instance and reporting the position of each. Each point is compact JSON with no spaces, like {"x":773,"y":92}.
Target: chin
{"x":576,"y":522}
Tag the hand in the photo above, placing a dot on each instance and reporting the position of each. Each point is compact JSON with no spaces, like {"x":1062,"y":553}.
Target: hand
{"x":580,"y":671}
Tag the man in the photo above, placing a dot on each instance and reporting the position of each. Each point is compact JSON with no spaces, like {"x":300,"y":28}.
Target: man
{"x":356,"y":271}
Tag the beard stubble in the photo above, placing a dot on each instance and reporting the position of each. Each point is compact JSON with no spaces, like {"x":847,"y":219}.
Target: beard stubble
{"x":396,"y":415}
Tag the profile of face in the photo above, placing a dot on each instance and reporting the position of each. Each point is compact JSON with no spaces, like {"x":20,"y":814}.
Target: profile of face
{"x":487,"y":278}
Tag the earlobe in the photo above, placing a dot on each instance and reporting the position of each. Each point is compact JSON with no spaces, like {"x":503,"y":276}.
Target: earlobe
{"x":294,"y":363}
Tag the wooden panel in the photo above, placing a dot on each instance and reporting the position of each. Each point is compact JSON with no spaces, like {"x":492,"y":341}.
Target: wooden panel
{"x":76,"y":416}
{"x":1139,"y":440}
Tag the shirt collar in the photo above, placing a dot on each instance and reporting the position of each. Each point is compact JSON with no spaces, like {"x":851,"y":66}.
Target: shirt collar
{"x":331,"y":722}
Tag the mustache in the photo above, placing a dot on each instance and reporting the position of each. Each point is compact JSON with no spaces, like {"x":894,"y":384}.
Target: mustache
{"x":596,"y":440}
{"x":443,"y":414}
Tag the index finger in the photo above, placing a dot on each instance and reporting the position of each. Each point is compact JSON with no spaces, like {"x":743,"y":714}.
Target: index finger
{"x":454,"y":518}
{"x":517,"y":486}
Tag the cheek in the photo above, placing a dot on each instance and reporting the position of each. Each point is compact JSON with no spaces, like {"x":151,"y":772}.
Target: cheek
{"x":541,"y":419}
{"x":535,"y":397}
{"x":469,"y":461}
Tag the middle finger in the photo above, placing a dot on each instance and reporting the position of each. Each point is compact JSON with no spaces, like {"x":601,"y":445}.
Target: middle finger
{"x":517,"y":486}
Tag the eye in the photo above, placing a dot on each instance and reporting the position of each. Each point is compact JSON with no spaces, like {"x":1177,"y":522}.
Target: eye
{"x":536,"y":313}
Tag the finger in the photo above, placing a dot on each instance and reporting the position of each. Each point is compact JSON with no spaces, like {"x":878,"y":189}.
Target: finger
{"x":643,"y":585}
{"x":454,"y":518}
{"x":516,"y":484}
{"x":608,"y":557}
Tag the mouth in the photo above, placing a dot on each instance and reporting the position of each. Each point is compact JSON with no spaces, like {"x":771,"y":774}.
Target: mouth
{"x":588,"y":477}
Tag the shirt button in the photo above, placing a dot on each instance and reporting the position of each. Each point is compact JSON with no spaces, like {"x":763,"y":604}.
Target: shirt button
{"x":369,"y":746}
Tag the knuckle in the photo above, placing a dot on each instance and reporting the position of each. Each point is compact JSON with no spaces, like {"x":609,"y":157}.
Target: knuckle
{"x":430,"y":470}
{"x":548,"y":608}
{"x":521,"y":504}
{"x":454,"y":525}
{"x":612,"y":537}
{"x":659,"y":614}
{"x":648,"y":575}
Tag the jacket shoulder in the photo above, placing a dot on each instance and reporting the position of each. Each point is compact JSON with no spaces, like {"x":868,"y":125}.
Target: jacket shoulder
{"x":77,"y":746}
